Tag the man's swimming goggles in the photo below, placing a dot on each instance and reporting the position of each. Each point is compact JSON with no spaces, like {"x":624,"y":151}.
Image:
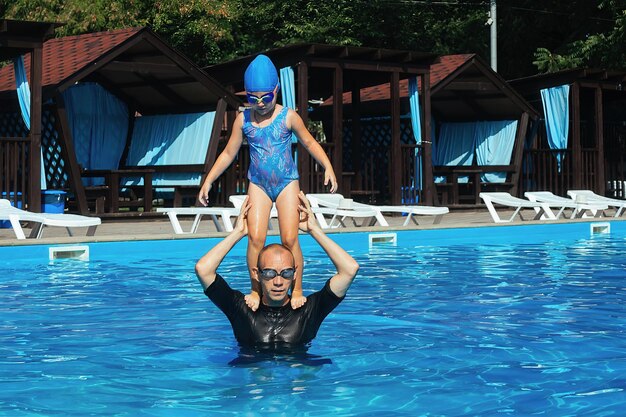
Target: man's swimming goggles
{"x":268,"y":274}
{"x":265,"y":98}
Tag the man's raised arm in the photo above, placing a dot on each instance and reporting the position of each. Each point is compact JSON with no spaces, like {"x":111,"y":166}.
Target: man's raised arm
{"x":347,"y":267}
{"x":206,"y":267}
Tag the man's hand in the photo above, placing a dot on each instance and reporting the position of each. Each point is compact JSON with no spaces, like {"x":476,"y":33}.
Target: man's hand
{"x":307,"y":218}
{"x":203,"y":195}
{"x":241,"y":224}
{"x":206,"y":267}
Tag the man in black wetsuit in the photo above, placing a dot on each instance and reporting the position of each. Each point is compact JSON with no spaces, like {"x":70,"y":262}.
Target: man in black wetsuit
{"x":275,"y":322}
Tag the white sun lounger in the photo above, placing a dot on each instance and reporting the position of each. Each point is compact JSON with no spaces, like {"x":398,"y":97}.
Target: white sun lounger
{"x":592,"y":198}
{"x":507,"y":200}
{"x":220,"y":215}
{"x":323,"y":206}
{"x":335,"y":200}
{"x":40,"y":220}
{"x":338,"y":217}
{"x":578,"y":209}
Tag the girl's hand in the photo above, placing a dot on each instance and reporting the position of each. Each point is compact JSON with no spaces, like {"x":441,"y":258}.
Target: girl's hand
{"x":329,"y":177}
{"x":203,"y":195}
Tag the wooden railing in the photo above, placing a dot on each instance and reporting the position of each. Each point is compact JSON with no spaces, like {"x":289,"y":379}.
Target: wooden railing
{"x":540,"y":171}
{"x":14,"y":169}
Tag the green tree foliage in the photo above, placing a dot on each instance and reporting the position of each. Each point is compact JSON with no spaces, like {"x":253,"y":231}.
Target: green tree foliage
{"x":440,"y":27}
{"x":202,"y":29}
{"x":80,"y":16}
{"x":552,"y":34}
{"x":199,"y":28}
{"x":560,"y":34}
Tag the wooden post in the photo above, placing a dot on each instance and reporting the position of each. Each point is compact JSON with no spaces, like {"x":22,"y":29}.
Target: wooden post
{"x":69,"y":154}
{"x":599,"y":119}
{"x":303,"y":111}
{"x":576,"y":149}
{"x":356,"y":144}
{"x":427,"y":161}
{"x":34,"y":189}
{"x":395,"y":155}
{"x":216,"y":133}
{"x":337,"y":159}
{"x":129,"y":136}
{"x":518,"y":156}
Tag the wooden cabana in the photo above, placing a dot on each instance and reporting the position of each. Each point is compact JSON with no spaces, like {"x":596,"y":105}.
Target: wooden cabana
{"x":463,"y":89}
{"x":20,"y":166}
{"x":595,"y":157}
{"x":323,"y":71}
{"x":142,"y":71}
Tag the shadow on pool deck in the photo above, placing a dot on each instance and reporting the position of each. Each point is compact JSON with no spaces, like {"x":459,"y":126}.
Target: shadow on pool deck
{"x":154,"y":229}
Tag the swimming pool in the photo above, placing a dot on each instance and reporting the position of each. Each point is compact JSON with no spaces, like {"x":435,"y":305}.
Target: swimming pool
{"x":518,"y":320}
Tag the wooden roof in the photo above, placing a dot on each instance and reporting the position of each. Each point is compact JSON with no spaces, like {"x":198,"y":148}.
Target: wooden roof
{"x":463,"y":88}
{"x":18,"y":37}
{"x":363,"y":66}
{"x":134,"y":64}
{"x":606,"y":79}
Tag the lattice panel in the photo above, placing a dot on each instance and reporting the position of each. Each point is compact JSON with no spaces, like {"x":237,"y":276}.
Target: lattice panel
{"x":12,"y":126}
{"x":375,"y":140}
{"x":55,"y":166}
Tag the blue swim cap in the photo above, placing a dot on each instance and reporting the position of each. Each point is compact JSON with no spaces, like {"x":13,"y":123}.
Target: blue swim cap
{"x":261,"y":75}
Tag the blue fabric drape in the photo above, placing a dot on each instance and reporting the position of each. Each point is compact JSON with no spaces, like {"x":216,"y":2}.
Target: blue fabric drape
{"x":494,"y":146}
{"x":23,"y":96}
{"x":454,"y":147}
{"x":99,"y":124}
{"x":555,"y":102}
{"x":23,"y":90}
{"x":493,"y":142}
{"x":414,"y":104}
{"x":288,"y":92}
{"x":171,"y":139}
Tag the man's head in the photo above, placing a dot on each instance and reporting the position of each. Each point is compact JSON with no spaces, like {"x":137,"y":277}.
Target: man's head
{"x":275,"y":272}
{"x":261,"y":83}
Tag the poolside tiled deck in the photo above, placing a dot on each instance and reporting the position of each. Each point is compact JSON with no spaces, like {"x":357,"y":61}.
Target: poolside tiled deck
{"x":152,"y":229}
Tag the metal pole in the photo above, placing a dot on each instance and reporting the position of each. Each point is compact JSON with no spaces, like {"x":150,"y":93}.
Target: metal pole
{"x":494,"y":36}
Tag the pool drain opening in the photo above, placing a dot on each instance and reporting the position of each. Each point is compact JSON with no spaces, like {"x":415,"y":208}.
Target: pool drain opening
{"x":377,"y":239}
{"x":599,"y":228}
{"x":80,"y":253}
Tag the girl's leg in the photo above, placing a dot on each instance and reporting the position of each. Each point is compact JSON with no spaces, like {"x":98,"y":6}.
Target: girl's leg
{"x":288,"y":219}
{"x":258,"y":219}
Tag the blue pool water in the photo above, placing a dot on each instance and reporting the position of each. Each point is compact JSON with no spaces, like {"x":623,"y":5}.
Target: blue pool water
{"x":448,"y":323}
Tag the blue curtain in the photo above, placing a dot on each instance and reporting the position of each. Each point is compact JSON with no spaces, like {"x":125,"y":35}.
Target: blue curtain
{"x":23,"y":90}
{"x":171,"y":139}
{"x":493,"y":142}
{"x":99,"y":124}
{"x":288,"y":92}
{"x":414,"y":104}
{"x":23,"y":96}
{"x":454,"y":146}
{"x":494,"y":146}
{"x":555,"y":102}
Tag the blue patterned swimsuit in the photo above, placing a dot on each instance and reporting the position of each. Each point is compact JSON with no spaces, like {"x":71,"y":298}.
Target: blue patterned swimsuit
{"x":271,"y":164}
